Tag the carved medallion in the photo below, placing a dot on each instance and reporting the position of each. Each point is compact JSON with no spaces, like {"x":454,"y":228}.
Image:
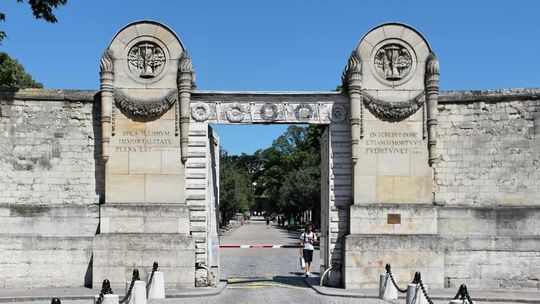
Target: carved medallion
{"x":303,"y":112}
{"x":235,"y":112}
{"x":200,"y":111}
{"x":339,"y":113}
{"x":393,"y":61}
{"x":146,"y":59}
{"x":269,"y":111}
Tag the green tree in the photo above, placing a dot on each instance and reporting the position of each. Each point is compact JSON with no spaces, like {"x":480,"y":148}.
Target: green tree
{"x":42,"y":9}
{"x":13,"y":75}
{"x":236,"y":190}
{"x":287,"y":175}
{"x":290,"y":178}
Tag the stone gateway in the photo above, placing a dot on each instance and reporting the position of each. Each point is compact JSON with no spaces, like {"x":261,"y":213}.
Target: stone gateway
{"x":96,"y":183}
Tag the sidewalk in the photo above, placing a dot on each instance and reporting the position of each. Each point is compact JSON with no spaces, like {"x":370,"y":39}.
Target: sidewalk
{"x":479,"y":295}
{"x":440,"y":295}
{"x":81,"y":293}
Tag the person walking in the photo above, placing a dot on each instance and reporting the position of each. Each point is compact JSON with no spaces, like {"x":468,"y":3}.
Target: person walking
{"x":267,"y":222}
{"x":307,"y":239}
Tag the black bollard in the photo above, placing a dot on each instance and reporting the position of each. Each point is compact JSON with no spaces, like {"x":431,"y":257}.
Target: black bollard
{"x":106,"y":287}
{"x":136,"y":276}
{"x":155,"y":266}
{"x":417,"y":278}
{"x":388,"y":268}
{"x":56,"y":301}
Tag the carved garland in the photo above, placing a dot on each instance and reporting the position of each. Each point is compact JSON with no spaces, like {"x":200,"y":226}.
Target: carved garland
{"x":235,"y":112}
{"x":200,"y":111}
{"x":144,"y":110}
{"x":393,"y":111}
{"x":303,"y":112}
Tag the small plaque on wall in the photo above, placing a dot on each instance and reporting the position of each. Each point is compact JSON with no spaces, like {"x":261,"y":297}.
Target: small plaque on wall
{"x":393,"y":218}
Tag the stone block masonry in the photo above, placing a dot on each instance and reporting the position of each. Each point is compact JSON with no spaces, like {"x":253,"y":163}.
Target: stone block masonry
{"x":486,"y":195}
{"x":47,"y":153}
{"x":487,"y":186}
{"x":50,"y":186}
{"x":489,"y":148}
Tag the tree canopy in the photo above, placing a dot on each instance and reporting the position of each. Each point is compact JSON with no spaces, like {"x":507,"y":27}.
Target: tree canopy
{"x":286,"y":175}
{"x":41,"y":9}
{"x":13,"y":74}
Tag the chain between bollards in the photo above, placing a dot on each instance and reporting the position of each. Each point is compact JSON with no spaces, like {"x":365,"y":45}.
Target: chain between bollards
{"x":463,"y":294}
{"x":389,"y":273}
{"x":418,"y":280}
{"x":134,"y":278}
{"x":105,"y":289}
{"x":154,"y":269}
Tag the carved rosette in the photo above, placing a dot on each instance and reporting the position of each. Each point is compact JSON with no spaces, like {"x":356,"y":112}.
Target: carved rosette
{"x":303,"y":112}
{"x":144,"y":110}
{"x":200,"y":111}
{"x":338,"y":113}
{"x":269,"y":111}
{"x":393,"y":111}
{"x":235,"y":112}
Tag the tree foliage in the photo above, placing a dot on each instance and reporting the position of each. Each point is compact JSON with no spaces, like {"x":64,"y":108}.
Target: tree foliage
{"x":13,"y":74}
{"x":236,"y":191}
{"x":287,"y":174}
{"x":41,"y":9}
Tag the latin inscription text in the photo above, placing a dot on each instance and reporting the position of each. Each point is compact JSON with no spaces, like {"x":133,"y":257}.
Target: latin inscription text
{"x":393,"y":143}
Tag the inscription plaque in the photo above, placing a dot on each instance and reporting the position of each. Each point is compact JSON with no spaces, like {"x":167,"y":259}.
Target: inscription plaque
{"x":393,"y":218}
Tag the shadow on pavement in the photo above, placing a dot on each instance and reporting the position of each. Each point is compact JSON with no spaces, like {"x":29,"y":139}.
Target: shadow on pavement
{"x":297,"y":279}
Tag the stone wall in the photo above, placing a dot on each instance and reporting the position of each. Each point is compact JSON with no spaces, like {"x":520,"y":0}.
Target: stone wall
{"x":487,"y":192}
{"x":487,"y":186}
{"x":49,"y":187}
{"x":489,"y":148}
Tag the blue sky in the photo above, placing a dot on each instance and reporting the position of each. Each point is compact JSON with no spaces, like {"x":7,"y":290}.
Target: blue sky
{"x":281,"y":45}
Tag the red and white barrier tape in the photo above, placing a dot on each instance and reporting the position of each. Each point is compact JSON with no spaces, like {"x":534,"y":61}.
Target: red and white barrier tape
{"x":260,"y":246}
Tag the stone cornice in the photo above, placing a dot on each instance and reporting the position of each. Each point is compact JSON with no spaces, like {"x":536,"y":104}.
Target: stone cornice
{"x":465,"y":96}
{"x":497,"y":95}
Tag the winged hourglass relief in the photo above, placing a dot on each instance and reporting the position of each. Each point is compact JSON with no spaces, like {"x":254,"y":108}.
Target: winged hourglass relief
{"x":146,"y":59}
{"x":393,"y":61}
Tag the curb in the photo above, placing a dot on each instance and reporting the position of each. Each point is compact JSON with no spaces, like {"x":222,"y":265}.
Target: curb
{"x":333,"y":292}
{"x":339,"y":292}
{"x":188,"y":293}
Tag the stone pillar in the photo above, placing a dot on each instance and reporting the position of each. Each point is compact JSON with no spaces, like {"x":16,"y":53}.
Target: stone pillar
{"x":392,"y":82}
{"x":432,"y":95}
{"x":145,"y":217}
{"x":353,"y":78}
{"x":106,"y":92}
{"x":186,"y":82}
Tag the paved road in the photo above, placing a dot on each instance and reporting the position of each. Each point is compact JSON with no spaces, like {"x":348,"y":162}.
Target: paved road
{"x":264,"y":275}
{"x":254,"y":262}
